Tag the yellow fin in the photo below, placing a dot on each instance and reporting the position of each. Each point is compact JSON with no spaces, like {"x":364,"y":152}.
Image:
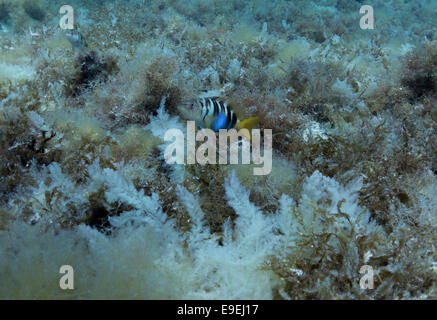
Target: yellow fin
{"x":248,"y":124}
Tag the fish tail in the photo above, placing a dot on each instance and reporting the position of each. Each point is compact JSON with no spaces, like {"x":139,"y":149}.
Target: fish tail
{"x":248,"y":124}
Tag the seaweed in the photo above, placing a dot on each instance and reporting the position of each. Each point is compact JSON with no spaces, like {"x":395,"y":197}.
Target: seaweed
{"x":420,"y":75}
{"x":354,"y":172}
{"x":91,"y":69}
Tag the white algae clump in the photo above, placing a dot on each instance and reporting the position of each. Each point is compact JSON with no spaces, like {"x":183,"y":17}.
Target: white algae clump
{"x":84,"y":179}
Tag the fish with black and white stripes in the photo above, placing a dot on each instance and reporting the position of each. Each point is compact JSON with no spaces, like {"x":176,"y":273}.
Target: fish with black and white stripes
{"x":214,"y":113}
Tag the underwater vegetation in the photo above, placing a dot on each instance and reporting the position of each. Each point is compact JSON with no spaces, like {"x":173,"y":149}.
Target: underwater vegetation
{"x":83,"y":180}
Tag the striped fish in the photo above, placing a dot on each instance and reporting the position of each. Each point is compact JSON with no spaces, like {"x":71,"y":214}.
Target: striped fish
{"x":214,"y":113}
{"x":217,"y":114}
